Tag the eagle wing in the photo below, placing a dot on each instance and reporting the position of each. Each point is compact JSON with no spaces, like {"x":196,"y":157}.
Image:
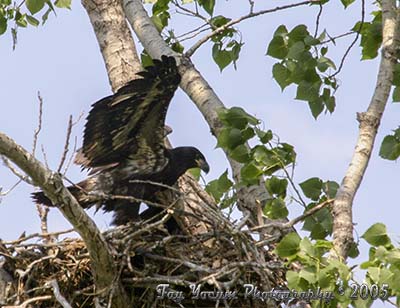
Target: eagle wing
{"x":128,"y":127}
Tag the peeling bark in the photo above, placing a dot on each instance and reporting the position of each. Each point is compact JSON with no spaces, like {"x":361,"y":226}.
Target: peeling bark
{"x":115,"y":40}
{"x":369,"y":123}
{"x":103,"y":267}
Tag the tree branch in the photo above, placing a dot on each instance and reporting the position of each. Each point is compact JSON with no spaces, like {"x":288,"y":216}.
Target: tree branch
{"x":103,"y":266}
{"x":203,"y":40}
{"x":369,"y":123}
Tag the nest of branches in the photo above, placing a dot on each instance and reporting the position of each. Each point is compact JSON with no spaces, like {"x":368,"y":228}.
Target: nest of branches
{"x":41,"y":271}
{"x":205,"y":260}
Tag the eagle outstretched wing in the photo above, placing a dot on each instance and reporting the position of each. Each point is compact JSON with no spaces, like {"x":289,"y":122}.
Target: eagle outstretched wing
{"x":128,"y":127}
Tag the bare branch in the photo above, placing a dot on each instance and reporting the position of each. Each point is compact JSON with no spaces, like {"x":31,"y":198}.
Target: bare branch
{"x":51,"y":183}
{"x":203,"y":40}
{"x":26,"y":303}
{"x":369,"y":123}
{"x":43,"y":210}
{"x":66,"y":146}
{"x":39,"y":235}
{"x":294,"y":221}
{"x":57,"y":294}
{"x":22,"y":177}
{"x":39,"y":127}
{"x":353,"y":42}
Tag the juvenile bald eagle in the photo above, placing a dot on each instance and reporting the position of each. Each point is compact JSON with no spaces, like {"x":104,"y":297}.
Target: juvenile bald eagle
{"x":123,"y":146}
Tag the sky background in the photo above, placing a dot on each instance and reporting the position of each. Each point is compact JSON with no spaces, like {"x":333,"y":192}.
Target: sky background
{"x":62,"y":61}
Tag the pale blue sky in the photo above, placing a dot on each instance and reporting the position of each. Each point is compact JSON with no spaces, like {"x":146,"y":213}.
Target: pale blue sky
{"x":63,"y":62}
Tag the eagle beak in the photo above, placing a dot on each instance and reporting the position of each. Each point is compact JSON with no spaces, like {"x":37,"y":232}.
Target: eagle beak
{"x":203,"y":165}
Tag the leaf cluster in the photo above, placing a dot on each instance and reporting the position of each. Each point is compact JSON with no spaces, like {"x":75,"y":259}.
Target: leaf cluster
{"x":305,"y":65}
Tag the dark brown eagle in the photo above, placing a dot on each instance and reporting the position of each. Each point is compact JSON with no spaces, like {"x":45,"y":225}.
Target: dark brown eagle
{"x":124,"y":148}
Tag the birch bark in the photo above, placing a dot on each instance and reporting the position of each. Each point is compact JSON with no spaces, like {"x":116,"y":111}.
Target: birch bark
{"x":368,"y":128}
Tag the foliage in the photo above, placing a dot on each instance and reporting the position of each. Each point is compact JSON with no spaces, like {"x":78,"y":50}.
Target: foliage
{"x":302,"y":61}
{"x":304,"y":64}
{"x":25,"y":13}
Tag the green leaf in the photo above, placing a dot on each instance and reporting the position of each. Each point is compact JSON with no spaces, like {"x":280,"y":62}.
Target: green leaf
{"x":330,"y":104}
{"x":376,"y":235}
{"x":218,"y":187}
{"x":3,"y":25}
{"x":346,"y":3}
{"x":230,"y":138}
{"x":316,"y":107}
{"x":195,"y":172}
{"x":34,"y":6}
{"x":240,"y":154}
{"x":146,"y":59}
{"x":326,"y":278}
{"x":289,"y":245}
{"x":296,"y":50}
{"x":306,"y":248}
{"x":250,"y":172}
{"x":353,"y":251}
{"x":390,"y":147}
{"x":371,"y":37}
{"x":160,"y":20}
{"x":396,"y":75}
{"x":281,"y":31}
{"x":308,"y":274}
{"x":276,"y":186}
{"x":21,"y":21}
{"x":312,"y":188}
{"x":63,"y":4}
{"x":221,"y":57}
{"x":319,"y":224}
{"x":330,"y":189}
{"x":32,"y":20}
{"x":265,"y":137}
{"x":307,"y":91}
{"x":275,"y":209}
{"x":282,"y":75}
{"x":277,"y":48}
{"x":324,"y":63}
{"x":237,"y":117}
{"x":177,"y":47}
{"x":299,"y":33}
{"x":396,"y":94}
{"x":208,"y":5}
{"x":219,"y":21}
{"x":311,"y":41}
{"x":248,"y":133}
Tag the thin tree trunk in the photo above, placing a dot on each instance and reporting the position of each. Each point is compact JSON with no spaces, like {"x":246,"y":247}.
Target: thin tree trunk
{"x":115,"y":40}
{"x":369,"y":123}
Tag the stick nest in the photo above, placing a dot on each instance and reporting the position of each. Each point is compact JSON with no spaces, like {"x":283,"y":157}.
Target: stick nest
{"x":43,"y":271}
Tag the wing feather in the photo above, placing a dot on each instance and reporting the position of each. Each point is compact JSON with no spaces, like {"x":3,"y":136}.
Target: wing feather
{"x":128,"y":127}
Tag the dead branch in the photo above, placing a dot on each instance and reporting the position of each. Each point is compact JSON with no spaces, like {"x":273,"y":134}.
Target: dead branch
{"x":66,"y":145}
{"x":57,"y":294}
{"x":39,"y":127}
